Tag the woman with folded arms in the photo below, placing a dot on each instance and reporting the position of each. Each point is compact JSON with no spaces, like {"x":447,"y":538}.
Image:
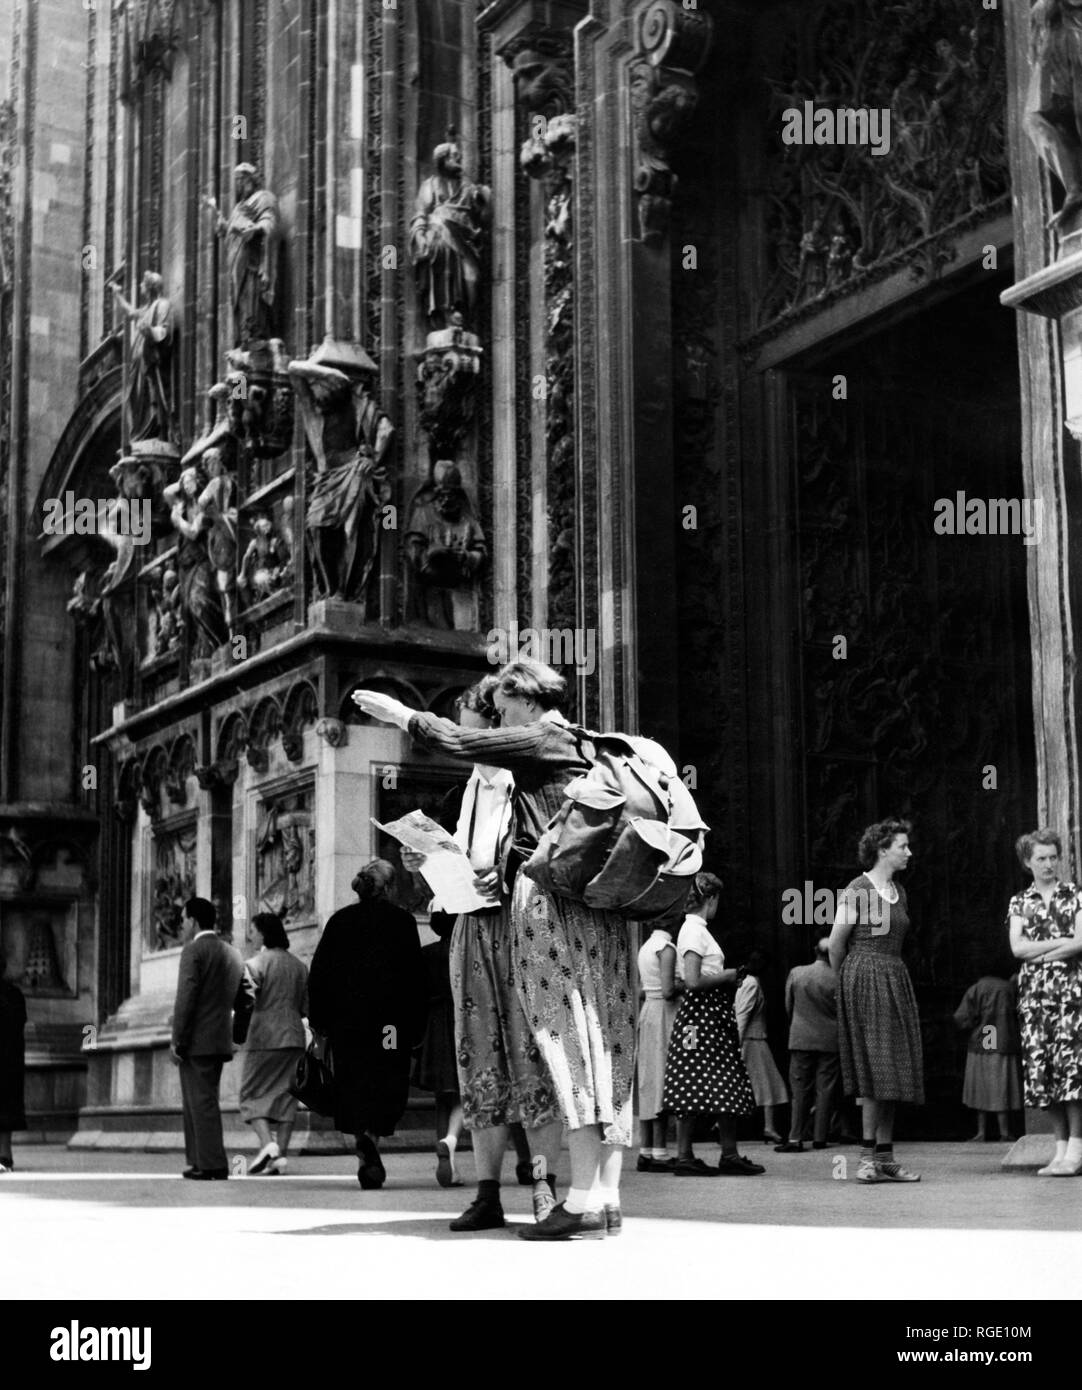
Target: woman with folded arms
{"x":572,"y":965}
{"x":1046,"y":936}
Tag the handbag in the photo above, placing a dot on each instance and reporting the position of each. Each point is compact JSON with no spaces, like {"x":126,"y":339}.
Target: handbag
{"x":313,"y":1084}
{"x":243,"y":1007}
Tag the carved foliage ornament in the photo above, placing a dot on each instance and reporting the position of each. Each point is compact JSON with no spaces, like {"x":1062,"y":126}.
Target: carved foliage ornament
{"x":838,"y":214}
{"x":674,"y":44}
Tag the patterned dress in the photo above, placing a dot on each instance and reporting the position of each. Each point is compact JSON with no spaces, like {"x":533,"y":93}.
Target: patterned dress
{"x":1050,"y":999}
{"x":572,"y":966}
{"x":704,"y":1072}
{"x":878,"y":1025}
{"x":502,"y":1075}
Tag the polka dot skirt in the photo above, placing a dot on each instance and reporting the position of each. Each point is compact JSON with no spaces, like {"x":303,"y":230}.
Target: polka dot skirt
{"x":704,"y":1072}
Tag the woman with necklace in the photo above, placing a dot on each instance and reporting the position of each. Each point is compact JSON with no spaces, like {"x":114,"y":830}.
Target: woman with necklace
{"x":878,"y":1026}
{"x":1045,"y":924}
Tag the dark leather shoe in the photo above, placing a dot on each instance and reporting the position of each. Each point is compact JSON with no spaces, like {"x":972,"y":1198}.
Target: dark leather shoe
{"x":560,"y":1224}
{"x":371,"y":1172}
{"x":788,"y":1148}
{"x":736,"y":1166}
{"x":207,"y":1174}
{"x":614,"y":1221}
{"x":480,"y":1216}
{"x":693,"y":1168}
{"x":819,"y":1143}
{"x":655,"y":1165}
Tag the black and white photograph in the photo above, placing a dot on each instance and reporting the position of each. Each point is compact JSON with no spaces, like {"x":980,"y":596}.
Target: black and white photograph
{"x":540,"y":618}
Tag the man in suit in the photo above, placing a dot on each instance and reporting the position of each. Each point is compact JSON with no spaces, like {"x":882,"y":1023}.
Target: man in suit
{"x":811,"y":1003}
{"x":210,"y":972}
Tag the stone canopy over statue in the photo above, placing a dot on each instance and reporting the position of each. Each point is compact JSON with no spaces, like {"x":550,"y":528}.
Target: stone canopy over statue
{"x":1053,"y":116}
{"x":446,"y":239}
{"x":251,"y":247}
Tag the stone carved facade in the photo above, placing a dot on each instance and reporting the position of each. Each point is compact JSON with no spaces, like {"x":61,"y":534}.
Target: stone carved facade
{"x":839,"y":216}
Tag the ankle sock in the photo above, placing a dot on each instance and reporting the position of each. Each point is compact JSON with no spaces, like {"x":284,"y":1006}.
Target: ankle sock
{"x":577,"y":1201}
{"x":867,"y":1153}
{"x":488,"y":1190}
{"x":610,"y":1196}
{"x":1074,"y":1151}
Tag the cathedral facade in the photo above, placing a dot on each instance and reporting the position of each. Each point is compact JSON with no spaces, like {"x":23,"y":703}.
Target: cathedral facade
{"x":358,"y":344}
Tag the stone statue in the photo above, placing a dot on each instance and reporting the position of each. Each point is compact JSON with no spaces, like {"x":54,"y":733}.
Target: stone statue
{"x":1053,"y":117}
{"x":196,"y":581}
{"x":251,"y":249}
{"x":349,"y":437}
{"x":218,"y":503}
{"x":446,"y":549}
{"x":446,"y":237}
{"x":149,"y":402}
{"x":265,"y":562}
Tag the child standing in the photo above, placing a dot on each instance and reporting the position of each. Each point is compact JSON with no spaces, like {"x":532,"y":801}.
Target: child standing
{"x":704,"y":1073}
{"x":993,"y":1079}
{"x":766,"y":1082}
{"x":660,"y":987}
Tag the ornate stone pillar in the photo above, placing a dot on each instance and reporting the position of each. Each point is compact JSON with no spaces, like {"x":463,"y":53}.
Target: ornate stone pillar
{"x":1049,"y":295}
{"x":537,"y":476}
{"x":635,"y":75}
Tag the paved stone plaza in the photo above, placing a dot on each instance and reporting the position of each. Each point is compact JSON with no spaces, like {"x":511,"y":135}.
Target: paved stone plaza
{"x":115,"y":1226}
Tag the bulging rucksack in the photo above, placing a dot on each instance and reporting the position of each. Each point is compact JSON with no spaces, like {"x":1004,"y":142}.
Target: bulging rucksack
{"x":625,"y":839}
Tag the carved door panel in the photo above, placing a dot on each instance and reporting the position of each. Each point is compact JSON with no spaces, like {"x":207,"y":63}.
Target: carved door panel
{"x":914,"y":663}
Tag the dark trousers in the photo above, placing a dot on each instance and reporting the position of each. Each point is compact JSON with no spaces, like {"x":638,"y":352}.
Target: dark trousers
{"x":812,"y":1072}
{"x":199,"y":1081}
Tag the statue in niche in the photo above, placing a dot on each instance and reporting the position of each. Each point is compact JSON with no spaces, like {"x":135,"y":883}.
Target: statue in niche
{"x":1054,"y":102}
{"x":266,"y":562}
{"x":199,"y":601}
{"x":349,"y":436}
{"x":251,"y":249}
{"x":446,"y":238}
{"x":218,"y":504}
{"x":149,"y":402}
{"x":445,"y":547}
{"x":165,"y":597}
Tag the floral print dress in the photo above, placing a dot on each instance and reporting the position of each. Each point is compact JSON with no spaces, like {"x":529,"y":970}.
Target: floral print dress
{"x":1050,"y":999}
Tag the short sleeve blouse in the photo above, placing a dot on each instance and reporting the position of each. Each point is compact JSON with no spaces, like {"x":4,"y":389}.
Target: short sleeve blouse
{"x":649,"y":960}
{"x":695,"y":936}
{"x":1049,"y":921}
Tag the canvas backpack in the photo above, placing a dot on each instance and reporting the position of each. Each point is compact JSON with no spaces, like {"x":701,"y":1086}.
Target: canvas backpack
{"x":625,"y":839}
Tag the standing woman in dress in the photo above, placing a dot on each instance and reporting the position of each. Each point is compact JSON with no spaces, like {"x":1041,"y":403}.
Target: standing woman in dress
{"x":277,"y":983}
{"x":766,"y":1081}
{"x":572,"y":965}
{"x":661,"y":999}
{"x":1046,"y":936}
{"x":12,"y":1026}
{"x":878,"y":1025}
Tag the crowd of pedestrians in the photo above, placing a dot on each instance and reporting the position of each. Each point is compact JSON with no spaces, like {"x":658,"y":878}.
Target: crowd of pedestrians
{"x":534,"y":1019}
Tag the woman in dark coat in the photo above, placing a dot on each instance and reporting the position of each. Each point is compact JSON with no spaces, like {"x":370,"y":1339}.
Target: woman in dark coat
{"x":367,"y":993}
{"x":12,"y":1024}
